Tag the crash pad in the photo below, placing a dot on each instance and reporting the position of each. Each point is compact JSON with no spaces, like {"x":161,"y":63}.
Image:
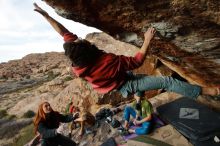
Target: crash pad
{"x":195,"y":121}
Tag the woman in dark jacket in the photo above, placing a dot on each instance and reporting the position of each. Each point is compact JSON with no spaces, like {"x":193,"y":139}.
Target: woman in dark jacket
{"x":46,"y":123}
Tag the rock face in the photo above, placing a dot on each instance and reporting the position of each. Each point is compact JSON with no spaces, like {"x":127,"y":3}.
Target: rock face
{"x":188,"y":31}
{"x":116,"y":17}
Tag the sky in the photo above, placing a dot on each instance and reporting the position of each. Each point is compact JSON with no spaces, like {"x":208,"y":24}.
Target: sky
{"x":24,"y":31}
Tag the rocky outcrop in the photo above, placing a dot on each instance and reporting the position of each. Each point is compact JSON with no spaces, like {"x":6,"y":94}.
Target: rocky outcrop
{"x":116,"y":17}
{"x":33,"y":65}
{"x":33,"y":75}
{"x":188,"y":31}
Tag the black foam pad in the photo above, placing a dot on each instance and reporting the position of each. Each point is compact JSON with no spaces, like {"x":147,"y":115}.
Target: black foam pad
{"x":195,"y":121}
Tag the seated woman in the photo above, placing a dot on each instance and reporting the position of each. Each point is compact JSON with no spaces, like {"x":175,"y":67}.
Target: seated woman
{"x":142,"y":114}
{"x":83,"y":117}
{"x":46,"y":123}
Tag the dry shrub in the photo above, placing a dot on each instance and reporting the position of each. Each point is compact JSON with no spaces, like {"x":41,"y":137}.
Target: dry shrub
{"x":25,"y":137}
{"x":11,"y":128}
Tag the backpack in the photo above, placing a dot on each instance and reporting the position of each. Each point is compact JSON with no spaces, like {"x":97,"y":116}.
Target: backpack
{"x":115,"y":123}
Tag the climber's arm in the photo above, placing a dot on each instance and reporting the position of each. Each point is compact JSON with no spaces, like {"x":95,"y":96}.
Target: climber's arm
{"x":148,"y":35}
{"x":56,"y":25}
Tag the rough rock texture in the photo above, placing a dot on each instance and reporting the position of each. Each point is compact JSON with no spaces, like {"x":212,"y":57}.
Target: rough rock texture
{"x":121,"y":16}
{"x":30,"y":66}
{"x":189,"y":31}
{"x":22,"y":80}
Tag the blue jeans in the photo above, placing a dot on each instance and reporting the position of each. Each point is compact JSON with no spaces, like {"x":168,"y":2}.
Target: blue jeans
{"x":145,"y":127}
{"x":137,"y":84}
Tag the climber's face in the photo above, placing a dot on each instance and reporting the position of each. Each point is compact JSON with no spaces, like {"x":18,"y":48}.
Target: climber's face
{"x":47,"y":108}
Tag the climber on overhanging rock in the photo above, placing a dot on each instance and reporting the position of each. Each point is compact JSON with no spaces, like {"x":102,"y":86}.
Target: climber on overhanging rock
{"x":108,"y":72}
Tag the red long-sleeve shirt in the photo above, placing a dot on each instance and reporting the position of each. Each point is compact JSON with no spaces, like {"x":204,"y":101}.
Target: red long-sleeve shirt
{"x":109,"y":71}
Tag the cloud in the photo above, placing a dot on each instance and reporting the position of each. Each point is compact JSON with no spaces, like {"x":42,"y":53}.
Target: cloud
{"x":23,"y":31}
{"x":14,"y":15}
